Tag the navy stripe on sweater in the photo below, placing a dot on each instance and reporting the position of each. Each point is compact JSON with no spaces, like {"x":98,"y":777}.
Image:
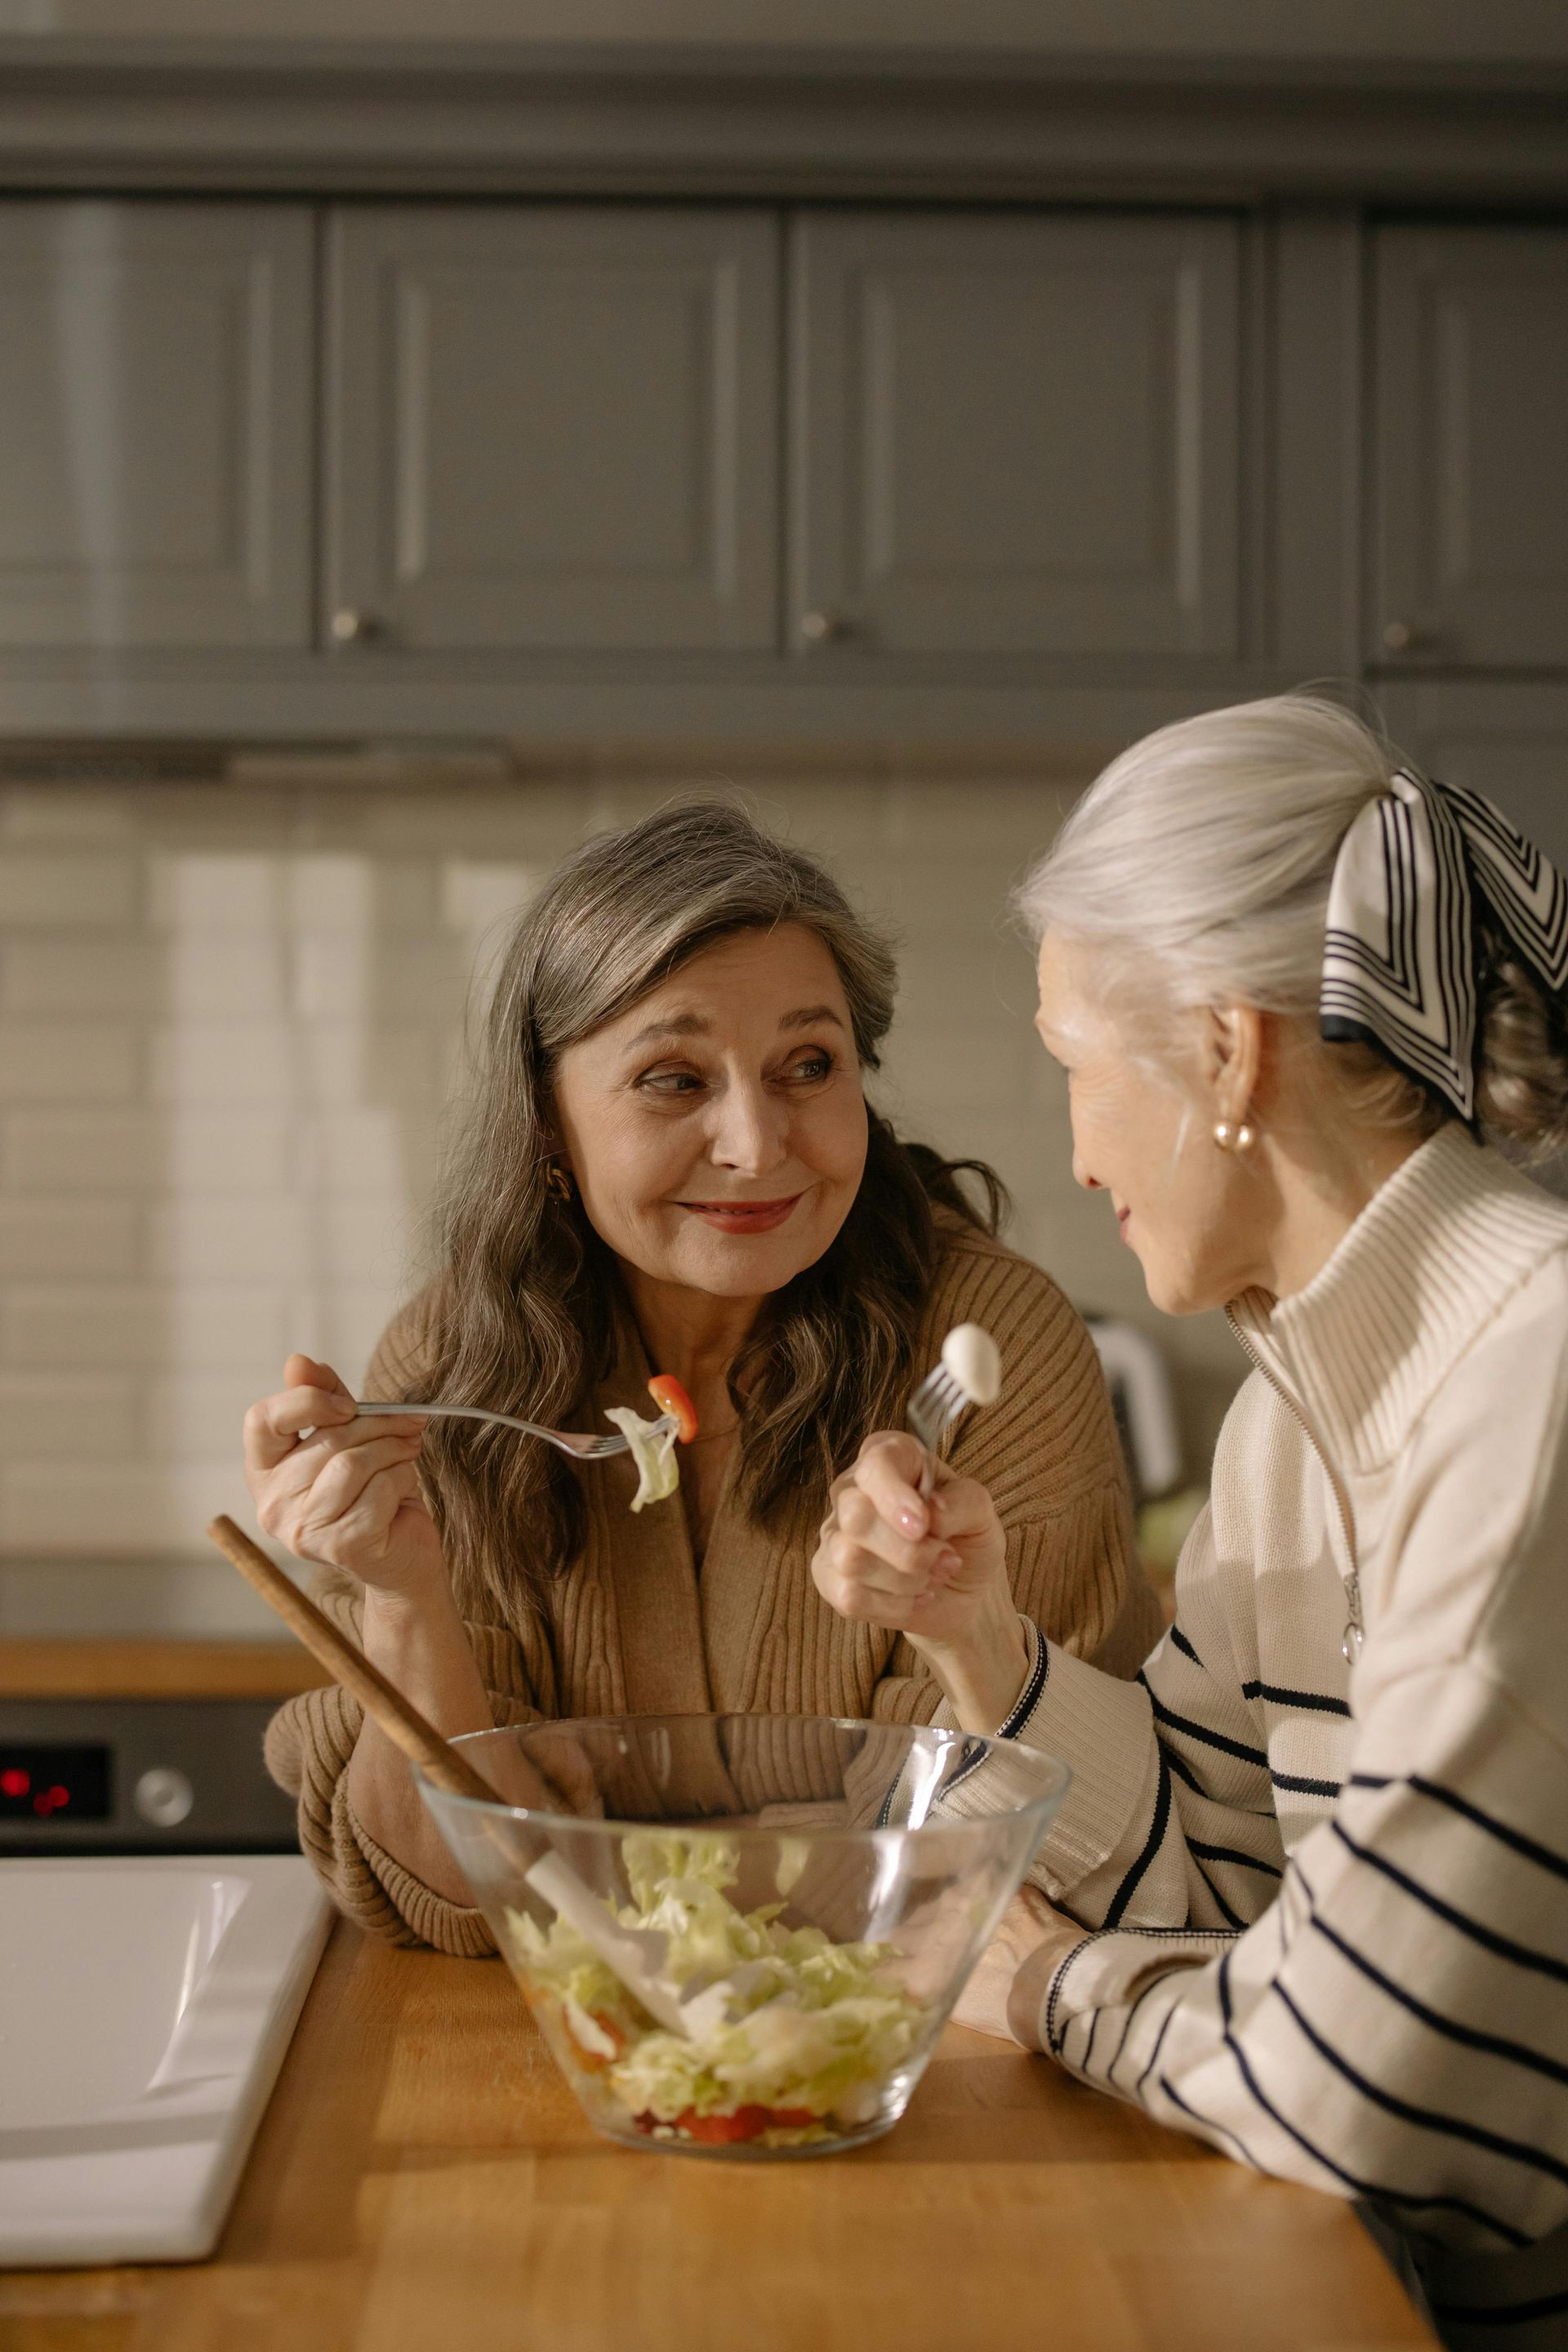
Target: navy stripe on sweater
{"x":1151,"y":1844}
{"x":1127,"y":2023}
{"x":1507,"y":2230}
{"x":1297,"y":1786}
{"x":1516,"y":1839}
{"x":1518,"y":2151}
{"x":1191,"y":1730}
{"x":1545,"y":1964}
{"x":1493,"y":2045}
{"x":1232,"y":1854}
{"x":1184,"y":1771}
{"x":1390,"y":2196}
{"x":1276,"y":1697}
{"x":1232,"y":1918}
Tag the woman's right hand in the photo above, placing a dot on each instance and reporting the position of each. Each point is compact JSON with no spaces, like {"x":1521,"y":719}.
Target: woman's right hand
{"x":341,"y":1488}
{"x":934,"y":1568}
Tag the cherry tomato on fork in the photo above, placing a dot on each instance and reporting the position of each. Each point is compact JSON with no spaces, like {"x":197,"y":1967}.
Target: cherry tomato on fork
{"x":671,"y":1398}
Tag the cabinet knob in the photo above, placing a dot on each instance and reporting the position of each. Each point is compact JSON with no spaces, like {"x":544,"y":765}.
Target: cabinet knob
{"x":823,"y":628}
{"x":1405,"y":637}
{"x":350,"y":626}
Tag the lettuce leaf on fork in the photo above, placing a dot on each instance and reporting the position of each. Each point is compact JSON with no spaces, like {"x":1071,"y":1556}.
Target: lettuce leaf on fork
{"x":652,"y":1444}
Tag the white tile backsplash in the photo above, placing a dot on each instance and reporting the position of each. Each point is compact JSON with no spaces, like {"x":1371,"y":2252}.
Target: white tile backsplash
{"x":231,"y":1025}
{"x":44,"y":887}
{"x":51,"y":972}
{"x":68,"y":1417}
{"x":70,"y":1061}
{"x":79,"y":1240}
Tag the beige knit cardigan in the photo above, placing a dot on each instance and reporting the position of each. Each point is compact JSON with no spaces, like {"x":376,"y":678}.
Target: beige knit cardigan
{"x":633,"y":1627}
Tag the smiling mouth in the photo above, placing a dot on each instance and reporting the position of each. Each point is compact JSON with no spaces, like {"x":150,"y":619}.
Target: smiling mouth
{"x":742,"y":1216}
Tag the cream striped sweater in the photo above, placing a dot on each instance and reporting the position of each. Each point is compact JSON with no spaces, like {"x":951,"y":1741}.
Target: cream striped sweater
{"x":1330,"y":1903}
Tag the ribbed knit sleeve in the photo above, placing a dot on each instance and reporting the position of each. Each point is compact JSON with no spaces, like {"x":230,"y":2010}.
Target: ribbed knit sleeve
{"x":310,"y":1741}
{"x":1169,"y":1812}
{"x":309,"y":1747}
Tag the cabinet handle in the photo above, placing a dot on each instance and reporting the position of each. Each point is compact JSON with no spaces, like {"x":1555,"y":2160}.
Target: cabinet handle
{"x":823,"y":628}
{"x":1405,"y":637}
{"x":351,"y":627}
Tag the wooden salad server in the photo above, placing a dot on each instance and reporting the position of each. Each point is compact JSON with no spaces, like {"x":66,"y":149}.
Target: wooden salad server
{"x":626,"y":1950}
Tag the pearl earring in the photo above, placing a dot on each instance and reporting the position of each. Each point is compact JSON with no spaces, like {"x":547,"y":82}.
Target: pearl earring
{"x":1237,"y":1137}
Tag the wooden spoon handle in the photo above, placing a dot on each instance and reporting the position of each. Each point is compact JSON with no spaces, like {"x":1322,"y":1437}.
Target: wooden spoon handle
{"x":401,"y":1721}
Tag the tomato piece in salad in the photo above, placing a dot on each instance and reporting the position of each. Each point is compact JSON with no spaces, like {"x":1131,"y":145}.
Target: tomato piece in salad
{"x":671,"y":1398}
{"x":728,"y":2131}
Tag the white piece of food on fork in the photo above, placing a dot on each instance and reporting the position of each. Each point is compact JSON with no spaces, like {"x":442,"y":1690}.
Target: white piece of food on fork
{"x":974,"y":1361}
{"x":652,"y":1444}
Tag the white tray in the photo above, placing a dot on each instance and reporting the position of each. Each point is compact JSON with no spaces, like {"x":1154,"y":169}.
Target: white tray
{"x":145,"y":2006}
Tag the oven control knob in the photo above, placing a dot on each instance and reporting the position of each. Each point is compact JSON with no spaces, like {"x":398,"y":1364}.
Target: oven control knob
{"x":164,"y":1796}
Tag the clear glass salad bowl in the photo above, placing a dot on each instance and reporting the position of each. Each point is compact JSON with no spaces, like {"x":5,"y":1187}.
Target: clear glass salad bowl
{"x":741,"y":1935}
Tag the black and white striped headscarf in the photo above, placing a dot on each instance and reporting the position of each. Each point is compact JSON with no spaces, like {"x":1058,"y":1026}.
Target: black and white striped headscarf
{"x":1399,"y":953}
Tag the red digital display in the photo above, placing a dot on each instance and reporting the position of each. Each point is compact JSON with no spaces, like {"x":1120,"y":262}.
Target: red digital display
{"x":46,"y":1782}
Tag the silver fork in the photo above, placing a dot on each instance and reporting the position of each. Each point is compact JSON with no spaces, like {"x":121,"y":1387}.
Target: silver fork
{"x":931,"y":1412}
{"x":581,"y":1446}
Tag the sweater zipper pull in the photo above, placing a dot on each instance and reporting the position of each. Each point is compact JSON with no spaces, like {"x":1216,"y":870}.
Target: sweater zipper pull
{"x":1355,"y":1631}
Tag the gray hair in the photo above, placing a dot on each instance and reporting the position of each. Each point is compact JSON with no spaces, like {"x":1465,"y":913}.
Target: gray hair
{"x":527,"y":1299}
{"x":1196,"y":871}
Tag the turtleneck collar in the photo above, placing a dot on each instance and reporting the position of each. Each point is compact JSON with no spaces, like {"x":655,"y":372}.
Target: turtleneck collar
{"x":1432,"y":1257}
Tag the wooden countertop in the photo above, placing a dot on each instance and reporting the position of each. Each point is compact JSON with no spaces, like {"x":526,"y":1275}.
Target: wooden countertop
{"x":423,"y":2182}
{"x":156,"y":1669}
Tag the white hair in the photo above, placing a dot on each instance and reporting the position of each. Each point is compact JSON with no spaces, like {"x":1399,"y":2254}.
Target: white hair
{"x":1198,"y":864}
{"x":1196,"y":869}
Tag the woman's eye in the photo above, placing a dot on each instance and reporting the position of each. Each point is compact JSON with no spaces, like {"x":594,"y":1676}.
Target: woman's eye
{"x":810,"y":1068}
{"x":670,"y":1082}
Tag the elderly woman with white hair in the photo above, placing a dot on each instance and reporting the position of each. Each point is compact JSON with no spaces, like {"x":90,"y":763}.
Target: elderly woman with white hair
{"x":1308,"y":1895}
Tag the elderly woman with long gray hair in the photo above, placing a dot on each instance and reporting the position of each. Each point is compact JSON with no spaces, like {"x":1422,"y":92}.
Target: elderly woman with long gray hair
{"x":672,"y":1167}
{"x":1308,"y":1895}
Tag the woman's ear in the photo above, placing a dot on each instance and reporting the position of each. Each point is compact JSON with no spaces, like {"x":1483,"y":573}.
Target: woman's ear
{"x":1233,"y":1052}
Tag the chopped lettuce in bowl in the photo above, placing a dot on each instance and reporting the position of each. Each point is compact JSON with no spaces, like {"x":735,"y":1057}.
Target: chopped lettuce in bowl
{"x":741,"y":1935}
{"x":793,"y":2041}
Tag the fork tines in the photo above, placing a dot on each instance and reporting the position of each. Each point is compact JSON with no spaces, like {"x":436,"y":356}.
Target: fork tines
{"x":938,"y":1400}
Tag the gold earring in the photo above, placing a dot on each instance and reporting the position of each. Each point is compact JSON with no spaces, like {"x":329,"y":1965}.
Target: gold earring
{"x":559,"y":1183}
{"x":1237,"y":1137}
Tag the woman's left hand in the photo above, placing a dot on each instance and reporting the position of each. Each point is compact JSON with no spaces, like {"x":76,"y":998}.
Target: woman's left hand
{"x":1004,"y":1994}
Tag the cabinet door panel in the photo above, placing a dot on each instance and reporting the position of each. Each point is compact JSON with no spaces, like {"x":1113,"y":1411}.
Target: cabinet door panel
{"x":1017,"y":435}
{"x":1471,"y":525}
{"x":555,"y":428}
{"x":1508,"y":738}
{"x":155,"y":397}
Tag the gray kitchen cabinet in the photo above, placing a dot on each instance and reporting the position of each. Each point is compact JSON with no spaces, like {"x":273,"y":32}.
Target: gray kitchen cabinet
{"x":1506,"y":737}
{"x":155,"y":425}
{"x":1470,"y":528}
{"x":553,"y":427}
{"x":1016,"y":435}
